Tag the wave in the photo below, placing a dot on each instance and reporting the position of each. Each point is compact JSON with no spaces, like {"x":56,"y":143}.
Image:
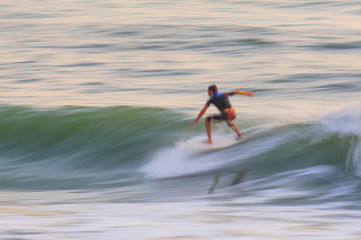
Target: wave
{"x":91,"y":147}
{"x":272,"y":148}
{"x":310,"y":161}
{"x":70,"y":142}
{"x":73,"y":130}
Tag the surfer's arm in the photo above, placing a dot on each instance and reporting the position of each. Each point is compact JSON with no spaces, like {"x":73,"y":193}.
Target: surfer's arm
{"x":201,"y":113}
{"x":249,"y":94}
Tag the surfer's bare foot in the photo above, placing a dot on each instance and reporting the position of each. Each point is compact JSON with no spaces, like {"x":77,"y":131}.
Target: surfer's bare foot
{"x":207,"y":142}
{"x":240,"y":136}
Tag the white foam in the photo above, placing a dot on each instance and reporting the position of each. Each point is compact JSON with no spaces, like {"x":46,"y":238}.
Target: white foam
{"x":345,"y":122}
{"x":175,"y":162}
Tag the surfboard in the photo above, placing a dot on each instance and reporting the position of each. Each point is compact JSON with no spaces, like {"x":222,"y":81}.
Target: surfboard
{"x":219,"y":143}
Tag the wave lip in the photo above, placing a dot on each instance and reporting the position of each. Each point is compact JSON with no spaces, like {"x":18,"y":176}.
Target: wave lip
{"x":346,"y":123}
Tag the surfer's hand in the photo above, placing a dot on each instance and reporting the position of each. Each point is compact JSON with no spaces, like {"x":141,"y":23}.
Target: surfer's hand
{"x":192,"y":124}
{"x":250,"y":94}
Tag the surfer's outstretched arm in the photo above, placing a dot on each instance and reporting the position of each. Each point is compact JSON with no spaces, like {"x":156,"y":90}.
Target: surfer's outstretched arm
{"x":249,"y":94}
{"x":201,"y":113}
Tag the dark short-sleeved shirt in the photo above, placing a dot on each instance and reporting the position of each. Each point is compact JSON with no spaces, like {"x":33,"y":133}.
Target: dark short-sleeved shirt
{"x":220,"y":100}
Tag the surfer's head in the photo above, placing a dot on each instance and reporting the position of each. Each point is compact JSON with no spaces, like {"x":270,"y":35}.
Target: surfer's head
{"x":212,"y":89}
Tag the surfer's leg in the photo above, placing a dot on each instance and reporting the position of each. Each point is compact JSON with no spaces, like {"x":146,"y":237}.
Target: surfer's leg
{"x":208,"y":129}
{"x":235,"y":129}
{"x":229,"y":117}
{"x":212,"y":118}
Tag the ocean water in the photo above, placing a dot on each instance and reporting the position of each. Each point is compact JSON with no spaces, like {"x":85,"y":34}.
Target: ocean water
{"x":94,"y":95}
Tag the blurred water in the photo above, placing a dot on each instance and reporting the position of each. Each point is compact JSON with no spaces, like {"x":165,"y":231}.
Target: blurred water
{"x":121,"y":52}
{"x":112,"y":171}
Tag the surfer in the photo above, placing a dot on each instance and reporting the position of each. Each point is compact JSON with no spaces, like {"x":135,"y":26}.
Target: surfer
{"x":227,"y":112}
